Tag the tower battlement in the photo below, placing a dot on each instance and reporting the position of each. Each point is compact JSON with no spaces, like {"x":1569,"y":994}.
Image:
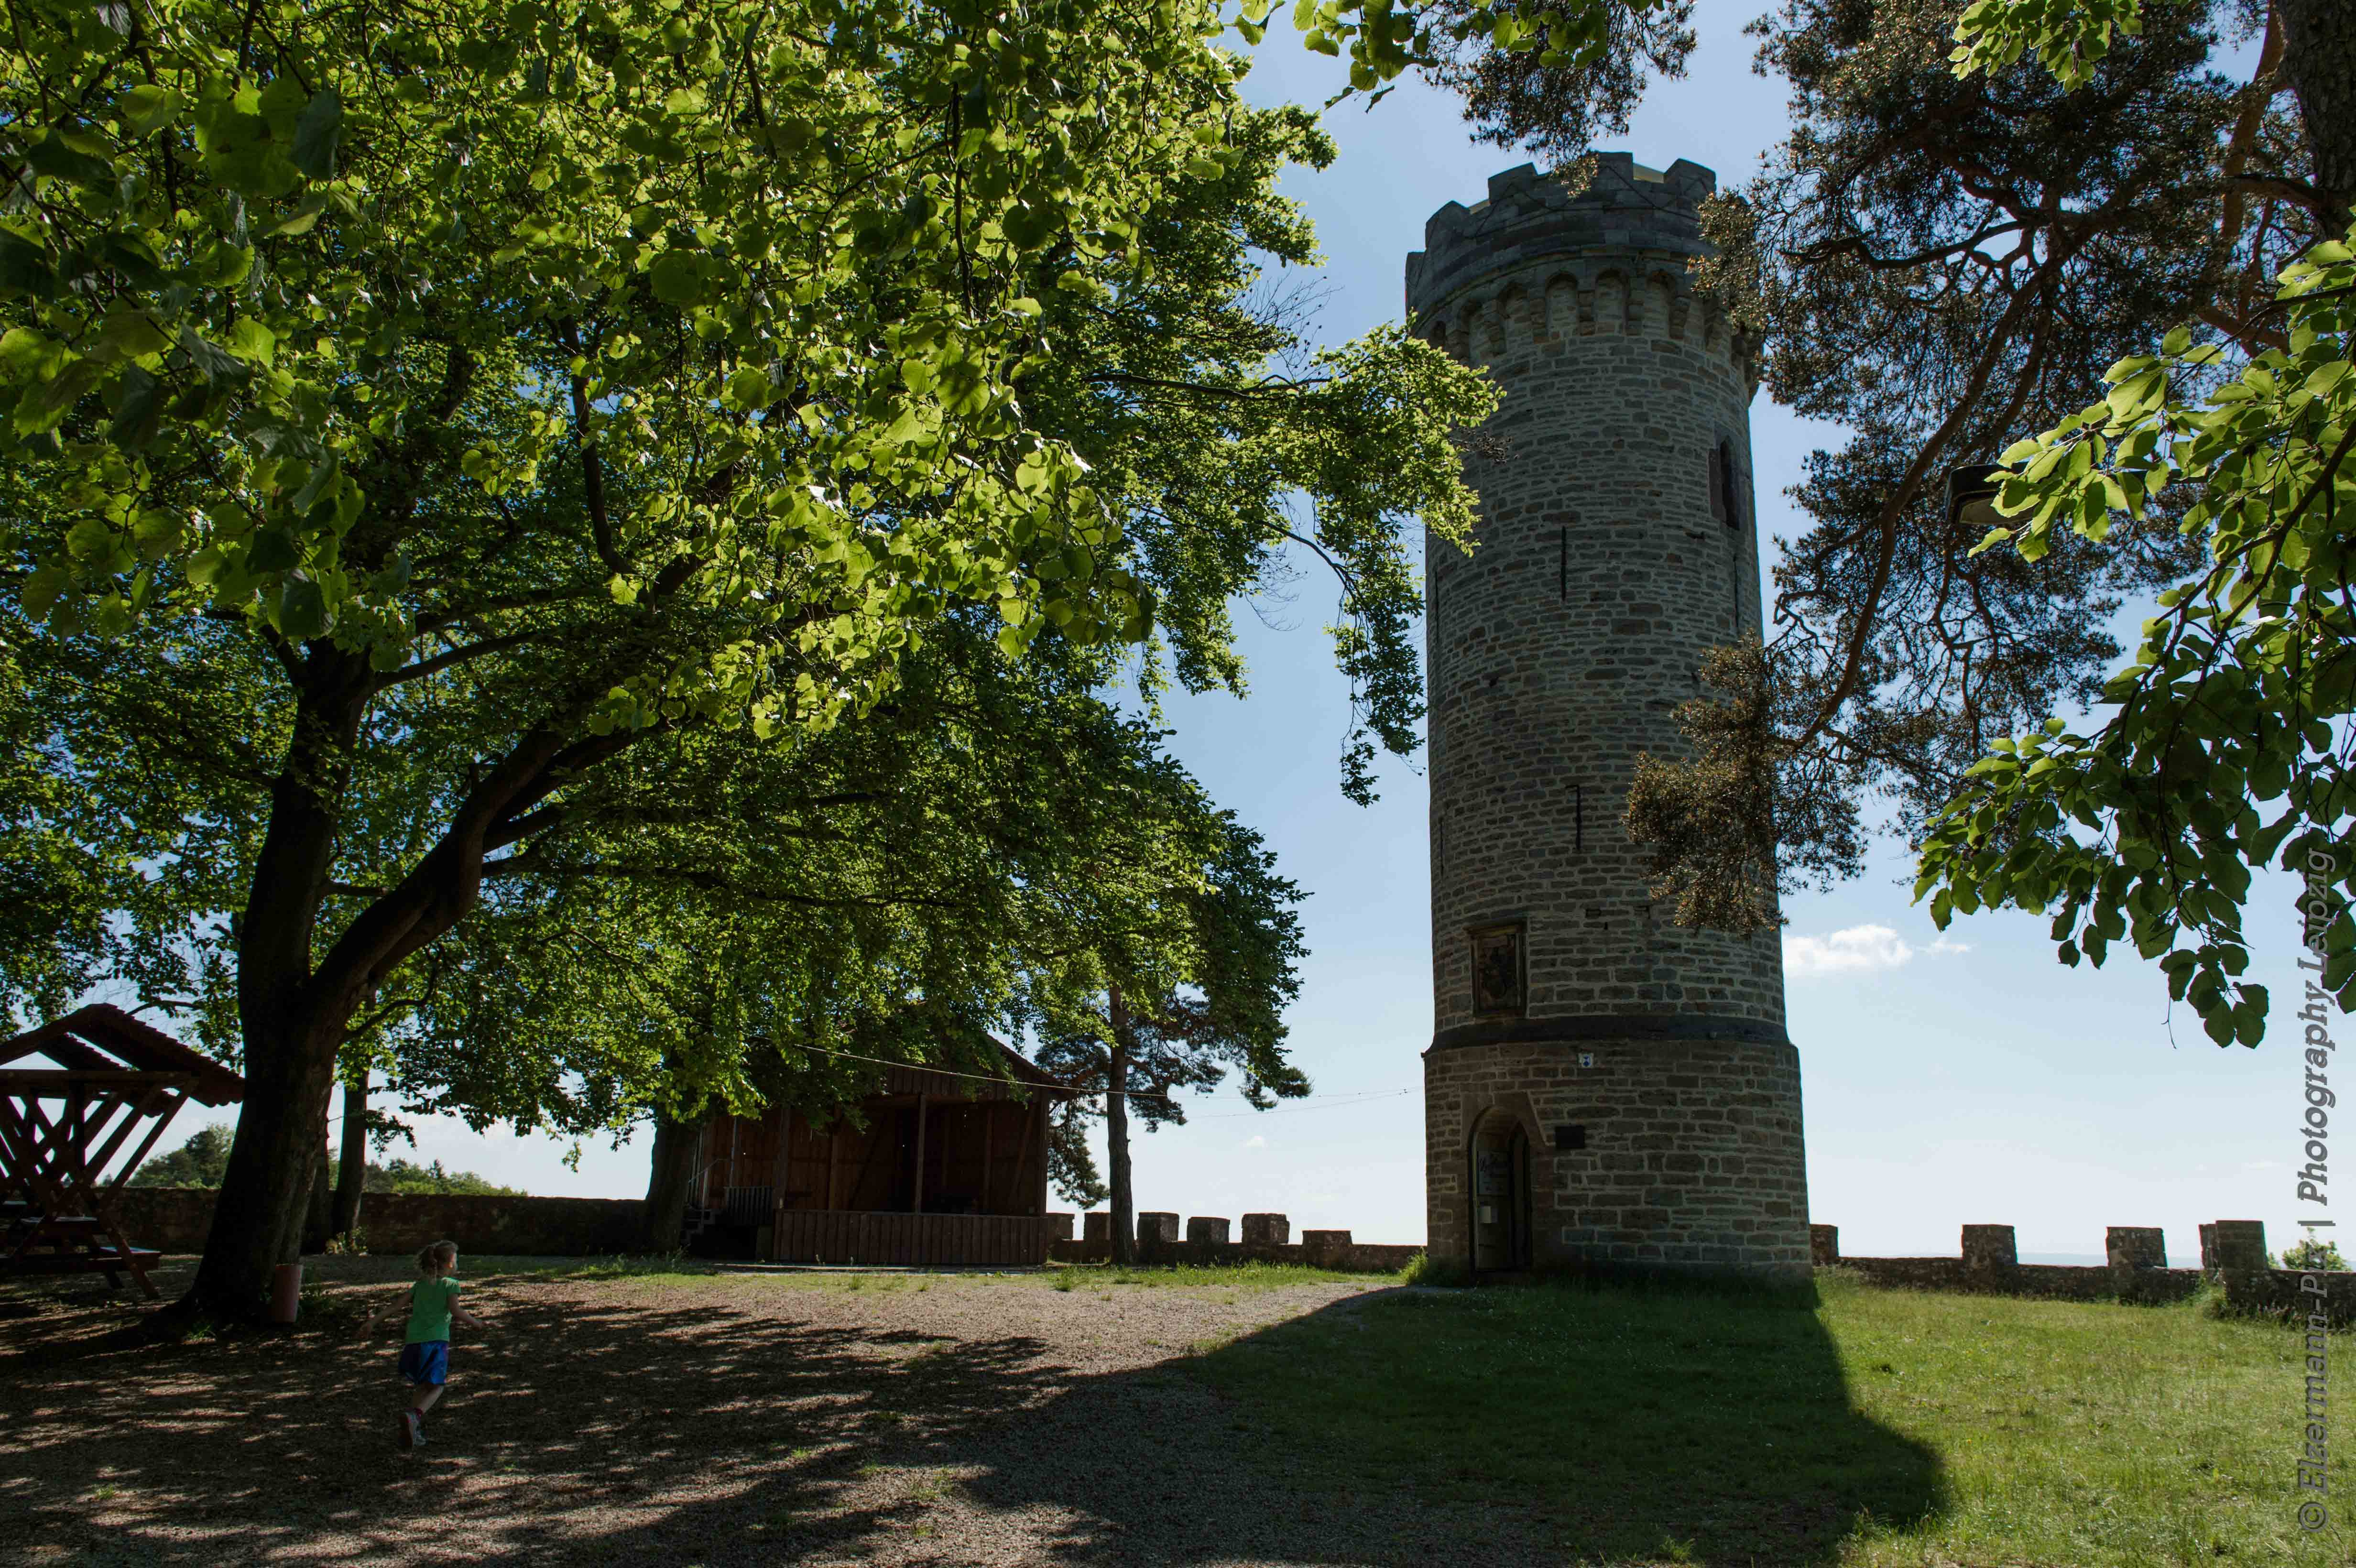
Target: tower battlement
{"x":1529,"y":217}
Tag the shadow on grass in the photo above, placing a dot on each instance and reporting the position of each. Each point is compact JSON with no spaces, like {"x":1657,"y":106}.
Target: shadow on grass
{"x":1619,"y":1425}
{"x":1506,"y":1426}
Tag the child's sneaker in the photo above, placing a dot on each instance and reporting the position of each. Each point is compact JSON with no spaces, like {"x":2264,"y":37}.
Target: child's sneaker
{"x":412,"y":1434}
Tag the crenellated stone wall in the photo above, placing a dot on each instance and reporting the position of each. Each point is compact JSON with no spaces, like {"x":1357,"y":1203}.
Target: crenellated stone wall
{"x":2232,"y":1256}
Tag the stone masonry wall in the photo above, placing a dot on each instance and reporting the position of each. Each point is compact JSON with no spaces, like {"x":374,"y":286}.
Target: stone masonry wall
{"x":1617,"y":545}
{"x":1559,"y":649}
{"x":175,"y":1220}
{"x":1693,"y":1154}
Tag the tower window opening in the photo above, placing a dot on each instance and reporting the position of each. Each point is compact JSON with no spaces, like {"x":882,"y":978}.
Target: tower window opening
{"x":1725,"y":486}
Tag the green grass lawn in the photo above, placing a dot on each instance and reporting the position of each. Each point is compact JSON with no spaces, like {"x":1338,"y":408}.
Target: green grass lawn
{"x":1877,"y":1427}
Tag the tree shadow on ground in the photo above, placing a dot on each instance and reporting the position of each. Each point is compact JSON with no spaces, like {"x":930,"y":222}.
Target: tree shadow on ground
{"x":1541,"y":1424}
{"x":1395,"y":1427}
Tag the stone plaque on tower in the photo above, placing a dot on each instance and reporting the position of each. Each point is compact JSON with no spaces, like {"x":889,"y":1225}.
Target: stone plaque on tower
{"x":1617,"y":545}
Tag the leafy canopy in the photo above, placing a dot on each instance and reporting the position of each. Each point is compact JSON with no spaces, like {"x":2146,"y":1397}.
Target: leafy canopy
{"x":503,"y":386}
{"x":283,"y":251}
{"x":2224,"y":744}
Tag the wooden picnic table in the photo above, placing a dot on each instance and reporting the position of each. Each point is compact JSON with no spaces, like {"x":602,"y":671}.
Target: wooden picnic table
{"x":72,"y":1134}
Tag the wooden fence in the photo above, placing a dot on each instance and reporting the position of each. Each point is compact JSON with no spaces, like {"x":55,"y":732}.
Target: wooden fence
{"x":941,"y":1240}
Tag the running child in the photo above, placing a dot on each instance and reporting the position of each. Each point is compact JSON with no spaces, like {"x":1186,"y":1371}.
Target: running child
{"x":425,"y":1353}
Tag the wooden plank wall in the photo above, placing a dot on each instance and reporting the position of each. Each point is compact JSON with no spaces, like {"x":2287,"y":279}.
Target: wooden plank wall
{"x":982,"y":1156}
{"x":938,"y":1241}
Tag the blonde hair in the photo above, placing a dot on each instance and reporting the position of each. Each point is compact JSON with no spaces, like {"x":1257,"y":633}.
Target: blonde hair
{"x":442,"y":1253}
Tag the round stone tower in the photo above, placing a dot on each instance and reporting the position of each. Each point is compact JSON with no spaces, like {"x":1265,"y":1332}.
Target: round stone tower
{"x":1604,"y":1087}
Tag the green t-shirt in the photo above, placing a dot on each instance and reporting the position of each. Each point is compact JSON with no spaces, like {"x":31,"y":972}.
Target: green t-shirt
{"x":430,"y":1301}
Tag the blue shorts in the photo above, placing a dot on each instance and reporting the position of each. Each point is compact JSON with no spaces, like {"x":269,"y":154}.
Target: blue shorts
{"x":426,"y":1361}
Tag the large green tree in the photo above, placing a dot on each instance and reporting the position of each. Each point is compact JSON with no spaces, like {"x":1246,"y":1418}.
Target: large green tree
{"x":428,"y":408}
{"x":725,"y":919}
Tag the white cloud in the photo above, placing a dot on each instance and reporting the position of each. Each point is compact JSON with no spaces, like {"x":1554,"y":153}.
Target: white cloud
{"x":1256,"y":1141}
{"x":1860,"y":949}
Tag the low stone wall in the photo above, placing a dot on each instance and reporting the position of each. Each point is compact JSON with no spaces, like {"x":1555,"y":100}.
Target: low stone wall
{"x":2282,"y":1293}
{"x":2060,"y":1281}
{"x":175,"y":1220}
{"x":2232,"y":1254}
{"x":1317,"y":1249}
{"x":169,"y":1219}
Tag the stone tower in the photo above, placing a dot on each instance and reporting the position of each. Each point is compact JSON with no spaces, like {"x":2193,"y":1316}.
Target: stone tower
{"x":1603,"y":1088}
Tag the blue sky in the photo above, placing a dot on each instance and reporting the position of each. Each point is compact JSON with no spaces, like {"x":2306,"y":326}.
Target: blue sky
{"x":1968,"y":1079}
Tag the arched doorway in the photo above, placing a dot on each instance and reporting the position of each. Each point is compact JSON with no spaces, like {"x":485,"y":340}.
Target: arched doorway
{"x":1500,"y":1184}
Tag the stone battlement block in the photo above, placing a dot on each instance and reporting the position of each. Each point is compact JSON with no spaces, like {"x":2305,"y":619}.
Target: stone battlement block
{"x":1267,"y":1231}
{"x":1323,"y":1245}
{"x":2235,"y":1245}
{"x":1096,"y":1226}
{"x":1202,"y":1228}
{"x":2136,"y":1246}
{"x":1991,"y":1246}
{"x":1059,"y":1227}
{"x":1156,"y":1226}
{"x":1824,"y":1245}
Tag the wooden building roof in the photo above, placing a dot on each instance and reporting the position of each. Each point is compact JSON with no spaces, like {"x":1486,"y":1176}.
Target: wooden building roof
{"x":103,"y":1039}
{"x":973,"y":1086}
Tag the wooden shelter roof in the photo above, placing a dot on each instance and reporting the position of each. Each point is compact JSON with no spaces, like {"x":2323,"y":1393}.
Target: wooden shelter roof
{"x":915,"y":1080}
{"x":103,"y":1039}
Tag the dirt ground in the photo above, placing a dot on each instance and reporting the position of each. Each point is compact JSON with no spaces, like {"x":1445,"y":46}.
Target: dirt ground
{"x":684,"y":1420}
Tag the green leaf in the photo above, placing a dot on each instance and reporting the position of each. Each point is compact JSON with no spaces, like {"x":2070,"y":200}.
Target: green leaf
{"x":28,"y":355}
{"x":45,"y":406}
{"x":302,"y":610}
{"x":274,"y":549}
{"x":750,"y":388}
{"x":138,"y":409}
{"x":41,"y":591}
{"x":317,"y":133}
{"x":25,"y":267}
{"x":224,"y":265}
{"x":128,"y":334}
{"x":682,"y":277}
{"x":53,"y":157}
{"x":252,"y":341}
{"x":253,"y":169}
{"x":211,"y":362}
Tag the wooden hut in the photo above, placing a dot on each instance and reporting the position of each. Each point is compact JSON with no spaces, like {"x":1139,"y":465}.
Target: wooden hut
{"x":939,"y":1169}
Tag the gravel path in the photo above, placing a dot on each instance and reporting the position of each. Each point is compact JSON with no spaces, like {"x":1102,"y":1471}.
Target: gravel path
{"x":696,"y":1420}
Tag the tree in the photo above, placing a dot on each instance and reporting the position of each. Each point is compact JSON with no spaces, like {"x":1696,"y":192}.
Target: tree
{"x":2223,"y":746}
{"x":423,"y":411}
{"x":400,"y":1176}
{"x":195,"y":1163}
{"x":1981,"y":210}
{"x":1178,"y":968}
{"x":886,"y":889}
{"x":2309,"y":1253}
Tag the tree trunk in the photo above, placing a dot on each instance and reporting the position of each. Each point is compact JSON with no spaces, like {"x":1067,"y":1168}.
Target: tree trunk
{"x":293,"y":1018}
{"x":294,"y":1004}
{"x":1124,"y":1201}
{"x":2320,"y":62}
{"x":668,"y":1182}
{"x":319,"y":1213}
{"x":289,"y":1072}
{"x":352,"y":1164}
